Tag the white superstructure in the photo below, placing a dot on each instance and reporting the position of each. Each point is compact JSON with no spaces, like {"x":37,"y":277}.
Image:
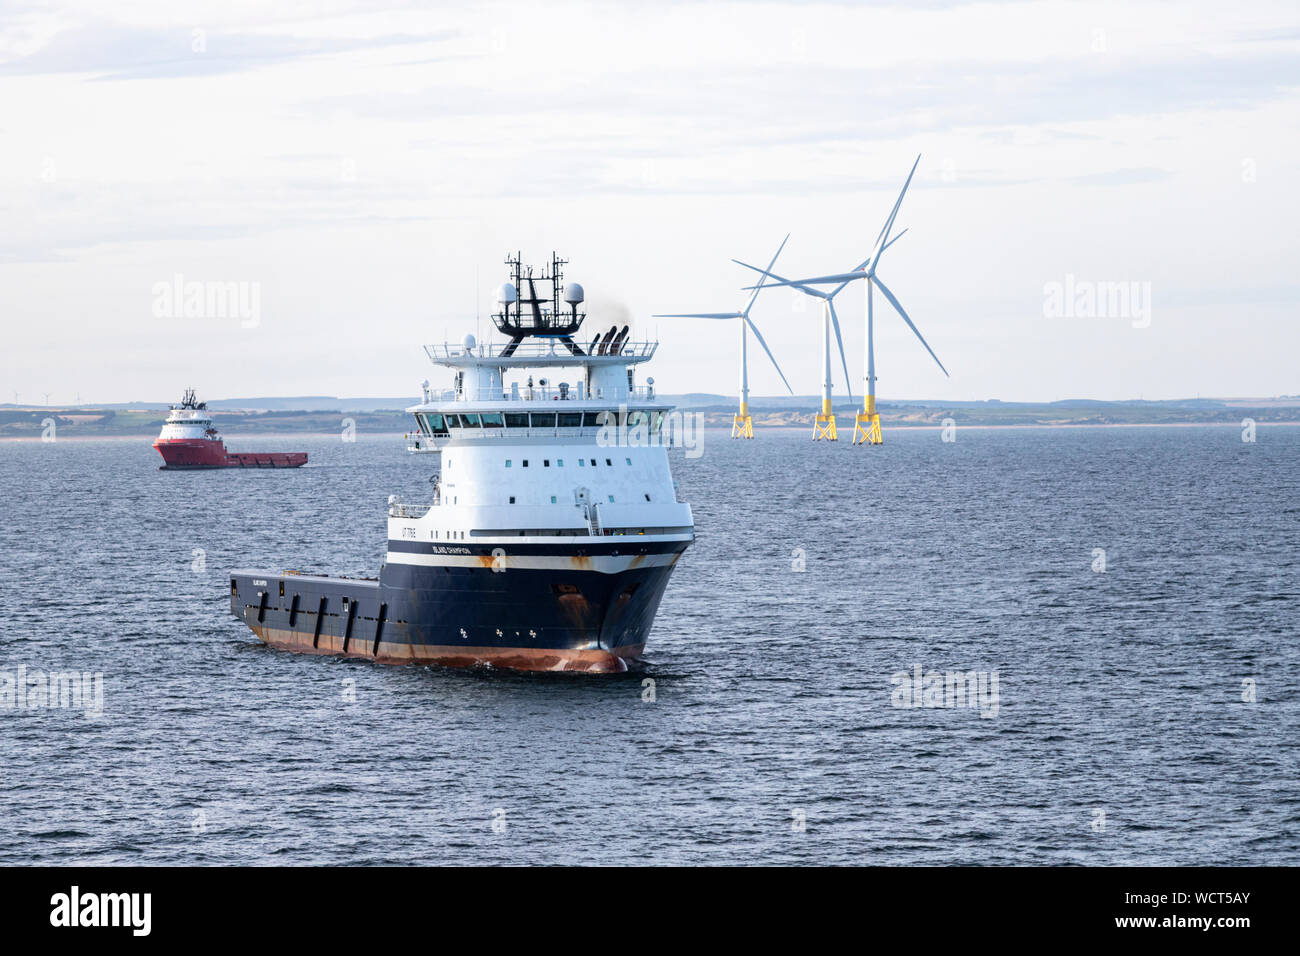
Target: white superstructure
{"x":188,"y":421}
{"x":543,"y":440}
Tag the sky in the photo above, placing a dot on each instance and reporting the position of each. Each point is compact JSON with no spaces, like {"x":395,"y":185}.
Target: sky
{"x":362,"y":169}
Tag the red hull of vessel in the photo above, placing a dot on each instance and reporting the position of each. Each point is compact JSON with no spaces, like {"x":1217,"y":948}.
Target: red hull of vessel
{"x":196,"y":453}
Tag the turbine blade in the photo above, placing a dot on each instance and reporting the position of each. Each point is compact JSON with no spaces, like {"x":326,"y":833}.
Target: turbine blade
{"x":781,"y":280}
{"x":884,"y":232}
{"x":750,"y":304}
{"x":759,"y":335}
{"x":843,"y":278}
{"x":818,"y":280}
{"x":697,"y":315}
{"x":871,"y":260}
{"x":835,"y":323}
{"x":894,"y":240}
{"x":894,"y":302}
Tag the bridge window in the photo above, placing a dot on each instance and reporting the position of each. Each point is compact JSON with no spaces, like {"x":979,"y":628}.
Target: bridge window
{"x":507,"y":462}
{"x":628,"y":460}
{"x":512,"y":499}
{"x":611,"y":499}
{"x":559,"y":462}
{"x":525,"y":462}
{"x":493,"y":420}
{"x":543,"y":419}
{"x":609,"y":463}
{"x":469,"y":421}
{"x":516,"y":419}
{"x":552,"y":499}
{"x":546,"y":463}
{"x":570,"y":419}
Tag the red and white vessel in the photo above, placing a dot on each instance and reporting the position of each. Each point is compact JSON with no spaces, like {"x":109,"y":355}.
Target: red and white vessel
{"x":189,"y":441}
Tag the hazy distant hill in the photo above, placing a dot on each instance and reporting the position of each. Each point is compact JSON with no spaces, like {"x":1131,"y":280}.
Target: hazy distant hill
{"x":327,"y":415}
{"x":302,"y":403}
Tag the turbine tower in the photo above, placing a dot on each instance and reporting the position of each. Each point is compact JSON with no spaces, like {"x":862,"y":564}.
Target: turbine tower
{"x":742,"y":425}
{"x":867,"y":424}
{"x":824,"y":422}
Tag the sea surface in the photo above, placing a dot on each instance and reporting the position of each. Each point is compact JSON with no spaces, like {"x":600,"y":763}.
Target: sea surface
{"x":1136,"y":591}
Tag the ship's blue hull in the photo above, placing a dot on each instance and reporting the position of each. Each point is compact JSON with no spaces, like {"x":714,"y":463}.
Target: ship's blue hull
{"x":537,"y":607}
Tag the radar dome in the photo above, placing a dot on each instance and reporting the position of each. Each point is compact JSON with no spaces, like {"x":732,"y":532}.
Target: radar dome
{"x":573,"y":293}
{"x":469,"y":341}
{"x":507,"y":293}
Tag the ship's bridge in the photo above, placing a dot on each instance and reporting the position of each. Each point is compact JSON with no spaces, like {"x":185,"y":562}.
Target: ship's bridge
{"x":538,"y":400}
{"x":540,"y":352}
{"x":483,"y":373}
{"x":482,"y":369}
{"x":520,"y":389}
{"x":535,"y":410}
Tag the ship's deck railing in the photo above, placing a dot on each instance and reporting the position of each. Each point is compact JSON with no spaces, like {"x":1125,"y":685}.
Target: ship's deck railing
{"x":401,"y":509}
{"x":538,"y":395}
{"x":540,"y":348}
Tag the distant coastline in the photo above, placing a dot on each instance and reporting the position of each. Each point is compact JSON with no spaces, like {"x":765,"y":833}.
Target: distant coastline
{"x":719,"y":427}
{"x":273,"y":417}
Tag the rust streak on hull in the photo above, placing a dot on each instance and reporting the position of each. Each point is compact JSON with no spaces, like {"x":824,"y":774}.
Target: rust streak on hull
{"x":513,"y":658}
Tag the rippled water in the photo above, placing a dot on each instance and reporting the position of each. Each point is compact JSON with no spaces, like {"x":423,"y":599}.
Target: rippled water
{"x":1119,"y":692}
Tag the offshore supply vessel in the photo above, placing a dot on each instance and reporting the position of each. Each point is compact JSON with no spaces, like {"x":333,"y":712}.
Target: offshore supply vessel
{"x":554,"y":523}
{"x":189,"y":441}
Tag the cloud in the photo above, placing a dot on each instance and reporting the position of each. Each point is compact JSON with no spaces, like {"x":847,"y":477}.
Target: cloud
{"x":112,"y":51}
{"x":1122,"y":177}
{"x":785,"y":104}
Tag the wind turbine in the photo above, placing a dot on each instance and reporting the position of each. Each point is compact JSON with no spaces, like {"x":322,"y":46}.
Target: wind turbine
{"x":867,"y":424}
{"x":742,"y":425}
{"x":824,"y":423}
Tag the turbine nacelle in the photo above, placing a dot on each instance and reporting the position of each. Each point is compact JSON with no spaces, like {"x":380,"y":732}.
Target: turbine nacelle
{"x":742,"y":315}
{"x":864,"y":270}
{"x":826,"y":297}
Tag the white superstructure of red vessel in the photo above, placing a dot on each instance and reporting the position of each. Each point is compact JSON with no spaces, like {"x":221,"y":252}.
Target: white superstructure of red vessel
{"x":188,"y":440}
